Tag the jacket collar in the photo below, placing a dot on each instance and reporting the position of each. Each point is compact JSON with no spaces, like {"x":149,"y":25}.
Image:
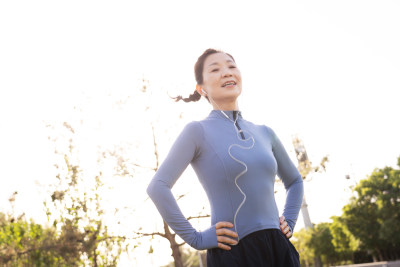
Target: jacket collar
{"x":232,"y":114}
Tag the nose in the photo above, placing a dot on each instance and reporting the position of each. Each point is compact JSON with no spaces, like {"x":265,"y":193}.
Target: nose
{"x":226,"y":72}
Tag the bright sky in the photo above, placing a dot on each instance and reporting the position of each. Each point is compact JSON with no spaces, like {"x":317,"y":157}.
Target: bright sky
{"x":329,"y":71}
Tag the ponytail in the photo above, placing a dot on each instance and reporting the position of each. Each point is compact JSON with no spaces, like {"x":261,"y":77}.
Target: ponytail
{"x":192,"y":98}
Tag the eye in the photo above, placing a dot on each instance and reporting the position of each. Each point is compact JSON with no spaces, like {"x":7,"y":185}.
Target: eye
{"x":232,"y":67}
{"x":214,"y":70}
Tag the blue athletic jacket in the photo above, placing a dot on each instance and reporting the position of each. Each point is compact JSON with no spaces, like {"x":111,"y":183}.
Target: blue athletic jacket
{"x":205,"y":144}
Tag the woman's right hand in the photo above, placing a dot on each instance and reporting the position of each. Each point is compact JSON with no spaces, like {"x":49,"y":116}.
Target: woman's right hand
{"x":222,"y":232}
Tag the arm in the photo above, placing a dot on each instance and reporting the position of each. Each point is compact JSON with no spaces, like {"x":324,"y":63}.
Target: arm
{"x":292,"y":181}
{"x":183,"y":151}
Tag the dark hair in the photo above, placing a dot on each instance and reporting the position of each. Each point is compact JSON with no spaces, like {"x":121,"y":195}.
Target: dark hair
{"x":198,"y":74}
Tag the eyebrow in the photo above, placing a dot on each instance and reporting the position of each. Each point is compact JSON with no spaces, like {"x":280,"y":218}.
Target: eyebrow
{"x":215,"y":63}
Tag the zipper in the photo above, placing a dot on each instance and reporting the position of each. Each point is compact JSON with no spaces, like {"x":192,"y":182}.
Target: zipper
{"x":237,"y":124}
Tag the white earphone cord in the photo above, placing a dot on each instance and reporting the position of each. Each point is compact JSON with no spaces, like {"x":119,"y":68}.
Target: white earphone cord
{"x":237,"y":160}
{"x":241,"y":173}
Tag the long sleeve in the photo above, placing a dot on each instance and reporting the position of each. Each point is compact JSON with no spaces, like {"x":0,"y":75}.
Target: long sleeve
{"x":291,"y":179}
{"x":183,"y":151}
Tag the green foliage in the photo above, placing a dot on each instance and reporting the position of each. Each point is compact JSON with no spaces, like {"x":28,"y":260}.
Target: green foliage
{"x":344,"y":242}
{"x":75,"y":234}
{"x":76,"y":214}
{"x":301,"y":240}
{"x":321,"y":241}
{"x":373,"y":215}
{"x":369,"y":226}
{"x":24,"y":243}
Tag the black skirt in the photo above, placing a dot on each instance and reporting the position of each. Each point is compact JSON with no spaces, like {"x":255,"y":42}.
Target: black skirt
{"x":264,"y":248}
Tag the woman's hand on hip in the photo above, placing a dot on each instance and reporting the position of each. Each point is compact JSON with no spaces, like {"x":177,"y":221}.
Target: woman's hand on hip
{"x":285,"y":227}
{"x":222,"y":234}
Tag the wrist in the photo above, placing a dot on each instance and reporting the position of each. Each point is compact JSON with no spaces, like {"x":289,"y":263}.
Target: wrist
{"x":206,"y":239}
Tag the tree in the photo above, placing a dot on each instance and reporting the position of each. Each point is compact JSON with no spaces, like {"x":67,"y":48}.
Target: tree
{"x":373,"y":215}
{"x":305,"y":168}
{"x":75,"y":211}
{"x":79,"y":229}
{"x":369,"y":226}
{"x":24,"y":242}
{"x":313,"y":242}
{"x":191,"y":258}
{"x":344,"y":242}
{"x":166,"y":233}
{"x":301,"y":240}
{"x":319,"y":241}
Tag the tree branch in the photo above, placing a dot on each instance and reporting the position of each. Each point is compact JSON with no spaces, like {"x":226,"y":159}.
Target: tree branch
{"x":115,"y":237}
{"x":181,"y":196}
{"x":19,"y":253}
{"x":155,"y":147}
{"x":144,"y":167}
{"x":149,"y":234}
{"x":198,"y":217}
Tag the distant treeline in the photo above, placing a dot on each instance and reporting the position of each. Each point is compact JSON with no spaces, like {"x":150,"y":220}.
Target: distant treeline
{"x":368,"y":229}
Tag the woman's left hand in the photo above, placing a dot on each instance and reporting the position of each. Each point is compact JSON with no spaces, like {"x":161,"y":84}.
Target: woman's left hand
{"x":285,"y":227}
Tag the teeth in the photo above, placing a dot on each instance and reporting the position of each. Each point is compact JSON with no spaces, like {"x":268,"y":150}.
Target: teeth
{"x":229,"y":83}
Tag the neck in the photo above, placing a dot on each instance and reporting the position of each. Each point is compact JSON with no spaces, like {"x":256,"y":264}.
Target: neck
{"x":225,"y":106}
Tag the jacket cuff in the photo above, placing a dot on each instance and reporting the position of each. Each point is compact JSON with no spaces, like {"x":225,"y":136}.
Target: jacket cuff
{"x":291,"y":225}
{"x":208,"y":238}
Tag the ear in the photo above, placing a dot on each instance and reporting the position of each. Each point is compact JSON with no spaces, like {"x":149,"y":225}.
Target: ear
{"x":198,"y":89}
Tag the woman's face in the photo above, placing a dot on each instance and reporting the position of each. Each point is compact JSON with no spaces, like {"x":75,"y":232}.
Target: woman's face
{"x":221,"y":78}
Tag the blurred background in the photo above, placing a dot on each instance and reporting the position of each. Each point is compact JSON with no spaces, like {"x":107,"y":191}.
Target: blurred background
{"x":86,"y":118}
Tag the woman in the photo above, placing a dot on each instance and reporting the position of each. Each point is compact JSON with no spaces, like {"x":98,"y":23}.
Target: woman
{"x":236,"y":162}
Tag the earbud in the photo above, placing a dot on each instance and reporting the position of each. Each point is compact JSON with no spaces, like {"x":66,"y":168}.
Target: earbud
{"x":204,"y":92}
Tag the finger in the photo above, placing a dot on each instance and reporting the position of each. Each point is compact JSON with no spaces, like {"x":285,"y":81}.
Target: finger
{"x":225,"y":231}
{"x":287,"y":230}
{"x":282,"y":219}
{"x":223,"y":246}
{"x":219,"y":225}
{"x":289,"y":234}
{"x":283,"y":225}
{"x":226,"y":240}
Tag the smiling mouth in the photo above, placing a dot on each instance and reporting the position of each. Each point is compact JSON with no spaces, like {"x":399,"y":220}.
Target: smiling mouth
{"x":229,"y":83}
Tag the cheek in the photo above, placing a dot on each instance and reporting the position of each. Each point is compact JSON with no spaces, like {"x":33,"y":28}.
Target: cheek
{"x":239,"y":76}
{"x":208,"y":78}
{"x":212,"y":81}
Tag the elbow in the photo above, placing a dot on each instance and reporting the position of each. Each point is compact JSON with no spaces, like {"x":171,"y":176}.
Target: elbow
{"x":300,"y":184}
{"x":296,"y":188}
{"x":156,"y":187}
{"x":298,"y":181}
{"x":151,"y":189}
